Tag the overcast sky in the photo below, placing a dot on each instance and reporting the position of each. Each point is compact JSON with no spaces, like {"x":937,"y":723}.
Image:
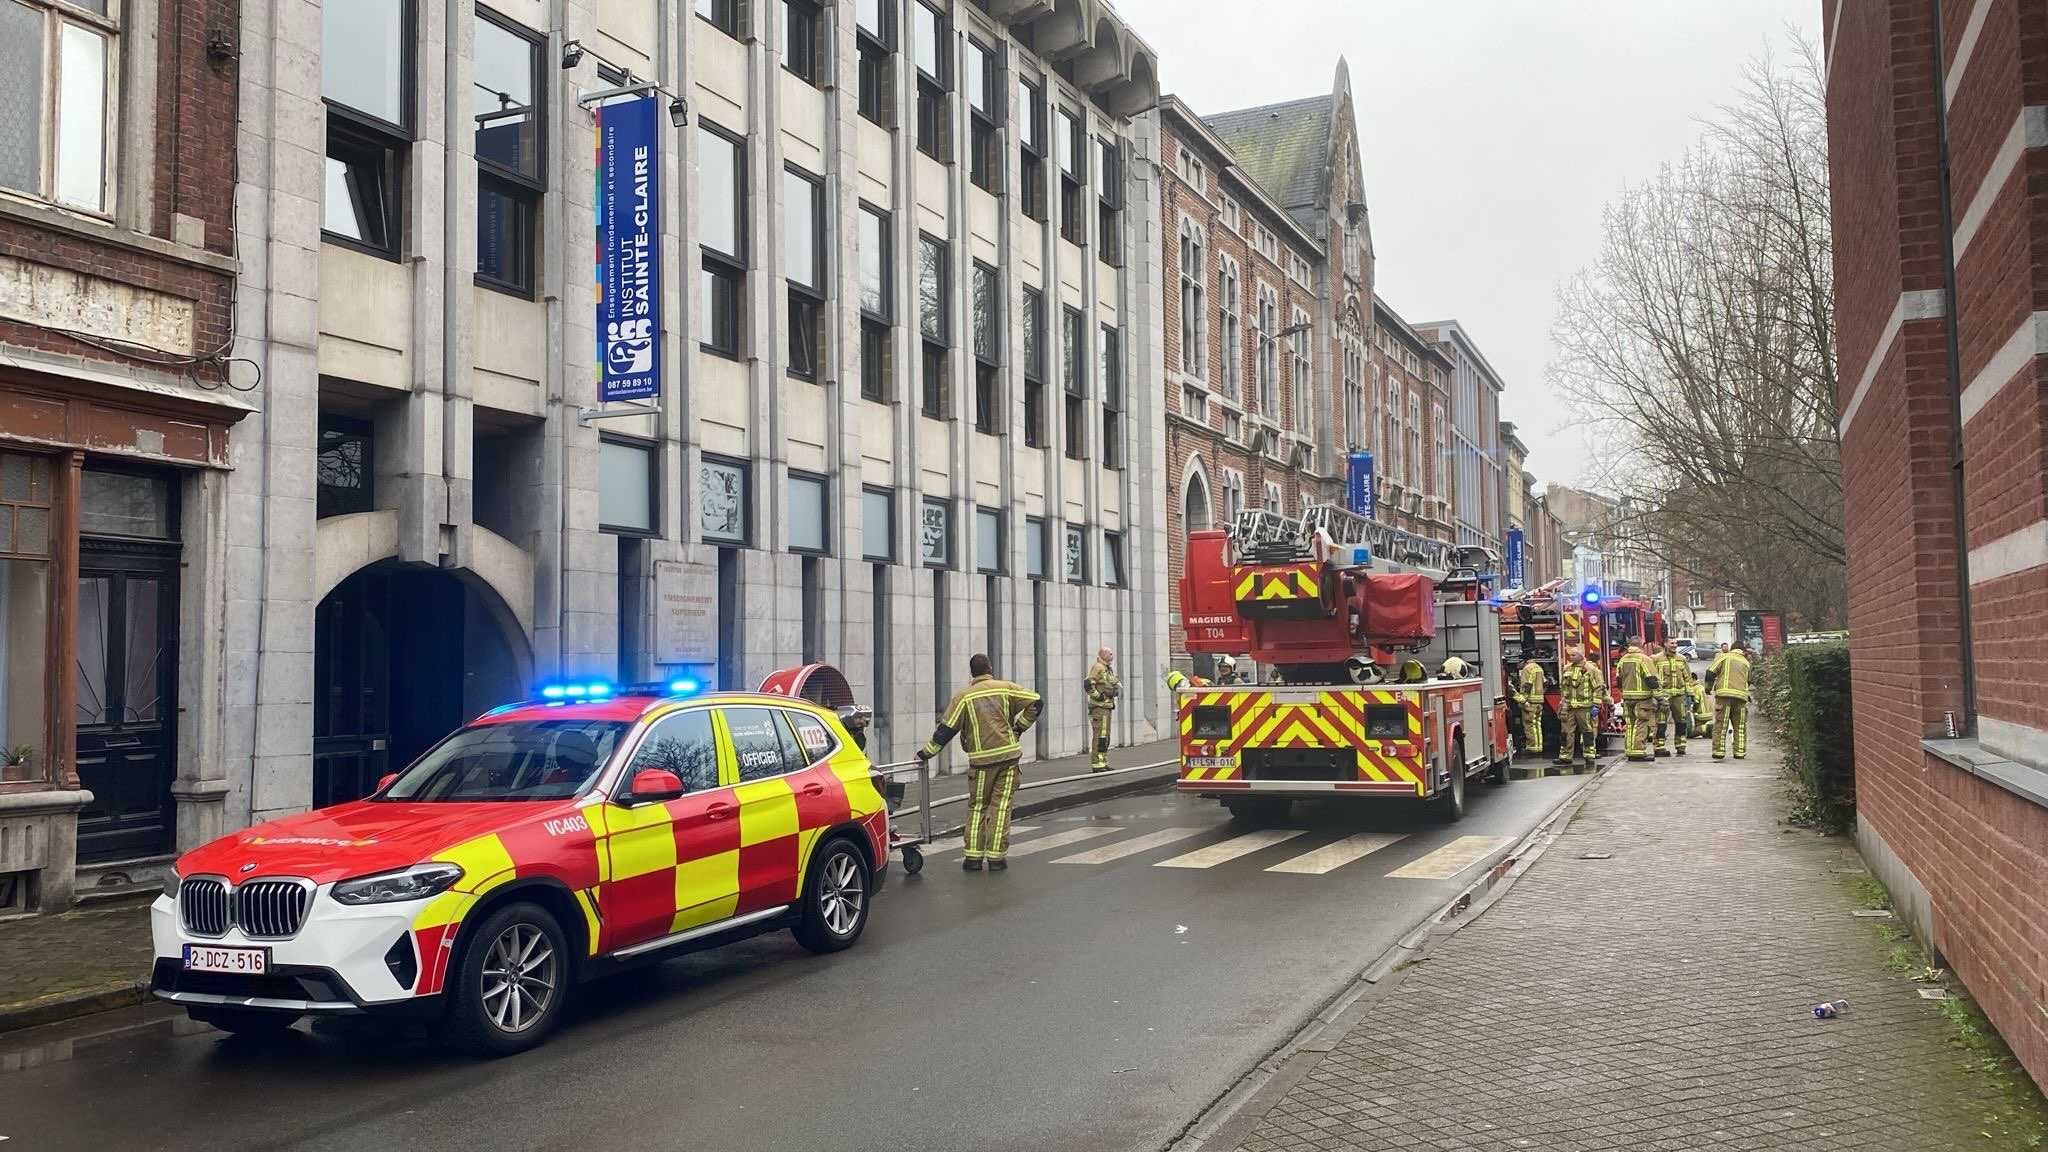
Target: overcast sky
{"x":1493,"y":132}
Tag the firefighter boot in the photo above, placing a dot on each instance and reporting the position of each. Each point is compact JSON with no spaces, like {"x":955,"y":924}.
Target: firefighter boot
{"x":1657,"y":748}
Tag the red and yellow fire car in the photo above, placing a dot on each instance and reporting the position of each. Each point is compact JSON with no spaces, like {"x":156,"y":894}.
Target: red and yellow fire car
{"x":540,"y":844}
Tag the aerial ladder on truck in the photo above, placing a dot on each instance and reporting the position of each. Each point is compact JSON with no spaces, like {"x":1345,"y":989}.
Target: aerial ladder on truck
{"x":1350,"y":639}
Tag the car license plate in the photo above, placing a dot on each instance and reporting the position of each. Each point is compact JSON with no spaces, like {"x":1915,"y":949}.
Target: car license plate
{"x":239,"y":961}
{"x":1212,"y":761}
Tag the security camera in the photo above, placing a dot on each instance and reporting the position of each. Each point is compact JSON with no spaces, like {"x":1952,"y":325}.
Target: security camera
{"x":678,"y":113}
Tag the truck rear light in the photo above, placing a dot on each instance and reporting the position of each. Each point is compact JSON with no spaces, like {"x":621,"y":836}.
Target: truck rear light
{"x":1386,"y":721}
{"x":1211,"y":722}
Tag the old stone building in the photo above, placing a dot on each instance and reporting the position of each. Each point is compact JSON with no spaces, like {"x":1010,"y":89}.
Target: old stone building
{"x":1938,"y":150}
{"x":119,"y":398}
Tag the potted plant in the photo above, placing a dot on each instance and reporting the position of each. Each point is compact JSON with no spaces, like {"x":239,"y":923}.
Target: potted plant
{"x":14,"y":762}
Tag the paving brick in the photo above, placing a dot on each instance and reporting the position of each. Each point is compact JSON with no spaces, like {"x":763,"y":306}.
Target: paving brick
{"x":1658,"y":1000}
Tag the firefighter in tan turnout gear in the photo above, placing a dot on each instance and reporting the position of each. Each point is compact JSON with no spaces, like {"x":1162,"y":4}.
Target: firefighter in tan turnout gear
{"x":1581,"y":692}
{"x":1102,"y":688}
{"x":1637,"y":679}
{"x":1728,"y":680}
{"x":1674,"y":705}
{"x":989,"y":716}
{"x":1530,"y":689}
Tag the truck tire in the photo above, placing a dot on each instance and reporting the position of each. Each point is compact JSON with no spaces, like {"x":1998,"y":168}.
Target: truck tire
{"x":1449,"y":804}
{"x":1501,"y":771}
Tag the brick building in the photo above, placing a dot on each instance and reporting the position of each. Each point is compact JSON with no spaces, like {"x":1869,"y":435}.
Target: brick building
{"x":117,"y":401}
{"x":1939,"y":163}
{"x":1411,"y":401}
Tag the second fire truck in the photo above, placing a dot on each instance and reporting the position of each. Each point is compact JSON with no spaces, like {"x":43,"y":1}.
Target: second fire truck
{"x":1354,"y":644}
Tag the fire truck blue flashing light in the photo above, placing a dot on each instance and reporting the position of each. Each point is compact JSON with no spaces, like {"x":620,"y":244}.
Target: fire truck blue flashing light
{"x":684,"y":687}
{"x":1592,"y":596}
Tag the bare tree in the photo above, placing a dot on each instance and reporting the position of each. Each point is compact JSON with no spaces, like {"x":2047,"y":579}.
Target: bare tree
{"x":1699,"y":351}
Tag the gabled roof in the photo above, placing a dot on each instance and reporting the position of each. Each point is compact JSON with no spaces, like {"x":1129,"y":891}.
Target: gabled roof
{"x":1284,"y":147}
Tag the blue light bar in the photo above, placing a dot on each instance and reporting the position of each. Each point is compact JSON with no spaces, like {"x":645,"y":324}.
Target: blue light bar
{"x":1592,"y":595}
{"x":684,"y":687}
{"x":576,"y":690}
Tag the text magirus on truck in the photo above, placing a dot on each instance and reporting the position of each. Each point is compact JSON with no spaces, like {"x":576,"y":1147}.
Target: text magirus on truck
{"x":1348,"y":636}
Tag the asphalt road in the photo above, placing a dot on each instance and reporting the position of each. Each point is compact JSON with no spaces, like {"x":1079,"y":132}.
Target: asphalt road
{"x":1093,"y":997}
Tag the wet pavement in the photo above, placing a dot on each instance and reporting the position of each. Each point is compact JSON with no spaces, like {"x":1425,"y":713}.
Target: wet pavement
{"x":1098,"y":995}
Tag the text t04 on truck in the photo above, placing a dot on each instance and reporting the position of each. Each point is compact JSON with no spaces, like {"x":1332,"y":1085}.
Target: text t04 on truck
{"x":1353,"y":713}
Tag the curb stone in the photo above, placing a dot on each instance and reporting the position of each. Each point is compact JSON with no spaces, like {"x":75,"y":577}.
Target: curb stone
{"x":60,"y":1006}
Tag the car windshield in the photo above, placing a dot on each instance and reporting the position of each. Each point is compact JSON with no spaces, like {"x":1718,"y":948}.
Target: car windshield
{"x":516,"y":760}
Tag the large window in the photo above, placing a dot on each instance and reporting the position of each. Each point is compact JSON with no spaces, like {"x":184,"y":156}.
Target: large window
{"x":988,"y":540}
{"x":1074,"y":378}
{"x":57,"y":67}
{"x":1077,"y":554}
{"x":932,"y":301}
{"x":1391,"y":466}
{"x":934,"y":81}
{"x":27,"y":548}
{"x":878,"y":524}
{"x":808,"y":520}
{"x":988,"y":326}
{"x":984,"y":95}
{"x":1437,"y":487}
{"x":369,"y":119}
{"x":875,"y":310}
{"x":1354,"y":395}
{"x":1230,"y":317}
{"x":626,"y":486}
{"x":1034,"y":548}
{"x":1031,"y":148}
{"x":1414,"y":442}
{"x":803,"y":266}
{"x":345,"y":467}
{"x":1109,"y":179}
{"x":1268,"y":359}
{"x":1304,"y":372}
{"x":509,"y":146}
{"x":722,"y":230}
{"x":723,"y":501}
{"x":1112,"y":398}
{"x":1113,"y":559}
{"x":1192,"y":291}
{"x":803,"y":40}
{"x":874,"y":38}
{"x":1034,"y":368}
{"x":728,"y":16}
{"x":1073,"y":177}
{"x":935,"y":533}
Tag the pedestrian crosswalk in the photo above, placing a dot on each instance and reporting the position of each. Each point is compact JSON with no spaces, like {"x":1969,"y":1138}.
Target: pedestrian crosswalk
{"x":1312,"y":853}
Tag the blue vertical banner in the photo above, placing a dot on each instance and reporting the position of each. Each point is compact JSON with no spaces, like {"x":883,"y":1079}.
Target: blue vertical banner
{"x":1515,"y":573}
{"x":1359,"y":485}
{"x":628,"y":250}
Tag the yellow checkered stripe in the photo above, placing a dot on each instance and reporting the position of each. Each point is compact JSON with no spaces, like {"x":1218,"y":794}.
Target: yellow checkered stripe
{"x":1336,"y":719}
{"x":1285,"y":582}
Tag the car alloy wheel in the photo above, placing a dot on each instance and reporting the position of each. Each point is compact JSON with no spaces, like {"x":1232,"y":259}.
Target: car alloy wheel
{"x":520,"y":977}
{"x":843,"y":898}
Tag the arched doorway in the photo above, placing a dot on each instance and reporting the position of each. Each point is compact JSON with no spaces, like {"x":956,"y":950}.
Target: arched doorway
{"x":1195,"y":513}
{"x":402,"y":655}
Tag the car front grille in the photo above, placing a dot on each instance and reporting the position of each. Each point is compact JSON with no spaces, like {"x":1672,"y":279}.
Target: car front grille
{"x":262,"y":909}
{"x":204,"y":906}
{"x":270,"y":909}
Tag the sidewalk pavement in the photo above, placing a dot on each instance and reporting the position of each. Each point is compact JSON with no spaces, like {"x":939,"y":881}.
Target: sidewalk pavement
{"x":1658,"y":999}
{"x":97,"y":957}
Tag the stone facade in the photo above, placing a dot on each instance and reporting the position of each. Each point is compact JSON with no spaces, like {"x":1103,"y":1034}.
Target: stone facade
{"x":1945,"y":512}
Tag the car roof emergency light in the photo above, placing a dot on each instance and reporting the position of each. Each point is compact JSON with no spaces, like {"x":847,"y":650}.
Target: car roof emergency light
{"x":576,"y":690}
{"x":1592,"y":596}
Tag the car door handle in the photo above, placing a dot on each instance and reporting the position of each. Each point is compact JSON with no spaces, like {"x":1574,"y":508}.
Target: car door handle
{"x":720,"y":811}
{"x":814,"y":789}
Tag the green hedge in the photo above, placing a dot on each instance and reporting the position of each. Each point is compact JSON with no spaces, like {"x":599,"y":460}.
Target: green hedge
{"x":1804,"y":693}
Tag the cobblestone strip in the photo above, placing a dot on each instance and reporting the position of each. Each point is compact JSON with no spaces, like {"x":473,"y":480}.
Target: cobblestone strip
{"x":1657,"y":1000}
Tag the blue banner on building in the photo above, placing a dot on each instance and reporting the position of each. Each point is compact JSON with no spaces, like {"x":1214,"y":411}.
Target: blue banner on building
{"x":628,"y":250}
{"x":1515,"y":572}
{"x":1359,"y":485}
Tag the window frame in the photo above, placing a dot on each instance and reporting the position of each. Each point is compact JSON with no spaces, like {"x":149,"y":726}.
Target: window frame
{"x":1113,"y":575}
{"x":1267,"y":361}
{"x":728,"y":267}
{"x":824,"y":484}
{"x":807,"y":297}
{"x":1074,"y":179}
{"x":1230,"y":310}
{"x":112,"y":34}
{"x":945,"y":507}
{"x":1110,"y":345}
{"x":934,"y":108}
{"x":1031,"y":147}
{"x":527,"y":192}
{"x":1034,"y":527}
{"x":1109,"y":194}
{"x":988,"y":370}
{"x":934,"y":328}
{"x":875,"y":92}
{"x":1194,"y":352}
{"x":653,"y":450}
{"x":1304,"y":375}
{"x":346,"y":427}
{"x":877,"y":333}
{"x":1075,"y":534}
{"x":888,"y":496}
{"x":1074,"y":379}
{"x":745,"y":469}
{"x":983,"y":517}
{"x":817,"y":67}
{"x":984,"y":145}
{"x":736,"y":24}
{"x":1033,"y":322}
{"x":369,"y":131}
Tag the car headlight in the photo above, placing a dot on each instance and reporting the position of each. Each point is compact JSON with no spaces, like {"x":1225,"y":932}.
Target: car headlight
{"x":171,"y":883}
{"x":415,"y":883}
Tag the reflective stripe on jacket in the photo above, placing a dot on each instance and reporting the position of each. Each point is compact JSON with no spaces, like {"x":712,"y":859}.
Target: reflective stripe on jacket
{"x":1580,"y":686}
{"x":1672,"y":674}
{"x":1733,"y":683}
{"x":988,"y":715}
{"x":1534,"y":684}
{"x":1632,"y":675}
{"x":1103,"y":686}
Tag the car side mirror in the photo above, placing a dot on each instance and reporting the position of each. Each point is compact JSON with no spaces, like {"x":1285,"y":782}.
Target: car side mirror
{"x":386,"y":782}
{"x":654,"y":785}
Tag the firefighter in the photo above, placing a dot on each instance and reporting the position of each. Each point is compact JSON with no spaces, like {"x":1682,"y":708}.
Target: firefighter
{"x":1226,"y":671}
{"x":989,"y":716}
{"x":1580,"y":691}
{"x":1674,"y":707}
{"x":1529,"y":693}
{"x":1730,"y":676}
{"x":1102,"y":688}
{"x":1697,"y":690}
{"x":1636,"y":678}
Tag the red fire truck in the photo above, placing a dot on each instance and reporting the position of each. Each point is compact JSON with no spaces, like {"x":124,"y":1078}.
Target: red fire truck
{"x":1540,"y":623}
{"x":1351,"y":645}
